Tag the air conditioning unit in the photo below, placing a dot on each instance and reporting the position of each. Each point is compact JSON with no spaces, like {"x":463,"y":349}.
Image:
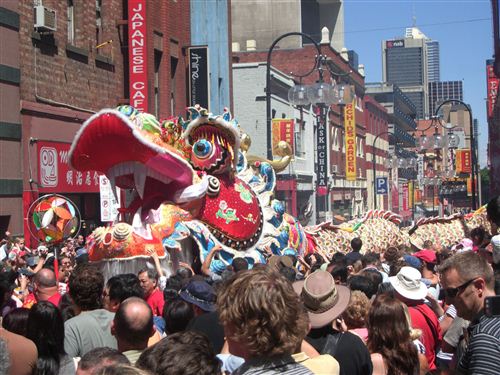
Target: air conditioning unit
{"x":335,"y":169}
{"x":45,"y":18}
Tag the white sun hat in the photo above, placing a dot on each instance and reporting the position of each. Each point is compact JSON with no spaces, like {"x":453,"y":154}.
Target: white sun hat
{"x":408,"y":283}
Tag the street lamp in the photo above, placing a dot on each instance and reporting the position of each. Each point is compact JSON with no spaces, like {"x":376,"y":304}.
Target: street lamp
{"x":321,"y":94}
{"x":374,"y":166}
{"x":451,"y":140}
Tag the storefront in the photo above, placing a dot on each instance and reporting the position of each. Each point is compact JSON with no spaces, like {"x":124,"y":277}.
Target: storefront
{"x":48,"y":132}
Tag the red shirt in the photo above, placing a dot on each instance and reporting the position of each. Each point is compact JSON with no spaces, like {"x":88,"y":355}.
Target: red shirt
{"x":423,"y":318}
{"x":55,"y":299}
{"x":155,"y":301}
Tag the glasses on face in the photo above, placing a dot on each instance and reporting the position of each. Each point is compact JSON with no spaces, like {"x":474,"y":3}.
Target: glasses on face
{"x":452,"y":292}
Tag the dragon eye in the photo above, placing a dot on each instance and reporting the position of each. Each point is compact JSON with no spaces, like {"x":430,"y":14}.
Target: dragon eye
{"x":202,"y":149}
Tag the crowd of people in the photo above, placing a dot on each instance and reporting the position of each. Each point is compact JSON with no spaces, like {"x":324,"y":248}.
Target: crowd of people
{"x":402,"y":311}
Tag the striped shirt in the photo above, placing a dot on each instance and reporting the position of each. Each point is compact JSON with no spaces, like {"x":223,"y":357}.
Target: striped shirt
{"x":277,"y":365}
{"x":483,"y":349}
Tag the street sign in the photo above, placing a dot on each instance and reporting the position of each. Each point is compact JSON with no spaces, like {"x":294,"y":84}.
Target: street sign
{"x":381,"y":185}
{"x":109,"y":205}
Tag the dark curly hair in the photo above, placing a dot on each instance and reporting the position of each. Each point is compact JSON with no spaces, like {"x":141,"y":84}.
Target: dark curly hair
{"x":260,"y":310}
{"x":188,"y":353}
{"x":86,"y":283}
{"x":389,"y":335}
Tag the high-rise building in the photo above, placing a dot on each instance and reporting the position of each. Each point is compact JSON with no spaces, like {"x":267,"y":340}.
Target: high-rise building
{"x":433,"y":72}
{"x":410,"y":63}
{"x":439,"y":91}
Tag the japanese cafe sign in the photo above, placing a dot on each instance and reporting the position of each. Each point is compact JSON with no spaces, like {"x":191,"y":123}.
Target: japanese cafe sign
{"x":137,"y":53}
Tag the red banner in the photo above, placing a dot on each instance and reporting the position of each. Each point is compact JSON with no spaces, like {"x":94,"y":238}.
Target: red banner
{"x":55,"y":174}
{"x":492,"y":83}
{"x":463,"y":162}
{"x":405,"y":197}
{"x":283,"y":130}
{"x":395,"y":197}
{"x":137,"y":52}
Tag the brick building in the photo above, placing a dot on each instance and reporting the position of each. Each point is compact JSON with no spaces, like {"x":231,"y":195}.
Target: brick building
{"x":53,"y":78}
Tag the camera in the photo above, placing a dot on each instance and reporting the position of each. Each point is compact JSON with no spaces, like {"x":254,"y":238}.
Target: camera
{"x":492,"y":306}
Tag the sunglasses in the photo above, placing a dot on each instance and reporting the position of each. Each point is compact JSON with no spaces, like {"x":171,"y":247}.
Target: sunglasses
{"x":452,"y":292}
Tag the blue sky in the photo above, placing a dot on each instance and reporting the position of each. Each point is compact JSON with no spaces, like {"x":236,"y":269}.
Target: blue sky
{"x":463,"y":29}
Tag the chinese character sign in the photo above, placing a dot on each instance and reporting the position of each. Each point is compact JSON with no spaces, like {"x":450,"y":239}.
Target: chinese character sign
{"x":463,"y":161}
{"x":283,"y":130}
{"x":55,"y":174}
{"x":350,"y":141}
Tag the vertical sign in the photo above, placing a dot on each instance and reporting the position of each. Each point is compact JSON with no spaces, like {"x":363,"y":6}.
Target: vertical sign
{"x":109,"y":205}
{"x":321,"y":164}
{"x":283,"y":130}
{"x":199,"y":80}
{"x":463,"y":162}
{"x":350,"y":141}
{"x":137,"y":53}
{"x":492,"y":84}
{"x":411,"y":193}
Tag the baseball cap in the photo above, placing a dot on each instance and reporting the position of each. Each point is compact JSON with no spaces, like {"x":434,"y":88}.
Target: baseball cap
{"x":427,"y":256}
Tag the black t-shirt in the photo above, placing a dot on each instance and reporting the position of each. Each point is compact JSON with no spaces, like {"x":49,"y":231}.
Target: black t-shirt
{"x":350,"y":351}
{"x":209,"y":324}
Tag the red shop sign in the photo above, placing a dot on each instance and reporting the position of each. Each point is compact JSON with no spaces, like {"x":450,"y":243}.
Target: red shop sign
{"x":56,"y":176}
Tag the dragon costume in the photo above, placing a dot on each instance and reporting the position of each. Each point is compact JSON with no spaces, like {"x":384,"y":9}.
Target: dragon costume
{"x":194,"y":181}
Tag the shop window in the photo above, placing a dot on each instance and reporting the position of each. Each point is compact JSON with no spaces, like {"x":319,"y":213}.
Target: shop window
{"x":157,"y":62}
{"x":173,"y":69}
{"x":98,"y":21}
{"x":299,"y":139}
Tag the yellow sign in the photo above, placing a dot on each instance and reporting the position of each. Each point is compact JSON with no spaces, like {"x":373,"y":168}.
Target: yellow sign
{"x":283,"y":130}
{"x":411,"y":194}
{"x":350,"y":141}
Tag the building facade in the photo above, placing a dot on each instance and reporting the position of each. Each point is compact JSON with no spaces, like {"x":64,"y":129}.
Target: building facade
{"x":295,"y":185}
{"x":377,"y":150}
{"x":401,"y":124}
{"x":257,"y":23}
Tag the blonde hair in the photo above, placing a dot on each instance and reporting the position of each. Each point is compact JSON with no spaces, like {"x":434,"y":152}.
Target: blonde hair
{"x":356,"y":312}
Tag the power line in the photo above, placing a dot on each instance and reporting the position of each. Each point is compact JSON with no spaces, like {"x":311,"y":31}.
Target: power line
{"x":420,"y":26}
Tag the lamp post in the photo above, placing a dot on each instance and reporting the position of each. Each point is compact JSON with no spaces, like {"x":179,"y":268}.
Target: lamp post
{"x":268,"y":83}
{"x":472,"y":145}
{"x":320,"y":94}
{"x":437,"y":141}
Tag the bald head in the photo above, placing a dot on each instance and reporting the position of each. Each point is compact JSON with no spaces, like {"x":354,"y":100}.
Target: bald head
{"x":45,"y":278}
{"x":133,"y":323}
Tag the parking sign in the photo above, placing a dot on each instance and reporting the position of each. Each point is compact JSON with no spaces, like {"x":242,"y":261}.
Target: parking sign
{"x":381,"y":185}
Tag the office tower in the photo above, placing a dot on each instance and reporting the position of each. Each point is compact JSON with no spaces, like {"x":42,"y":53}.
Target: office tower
{"x":439,"y":91}
{"x":410,"y":63}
